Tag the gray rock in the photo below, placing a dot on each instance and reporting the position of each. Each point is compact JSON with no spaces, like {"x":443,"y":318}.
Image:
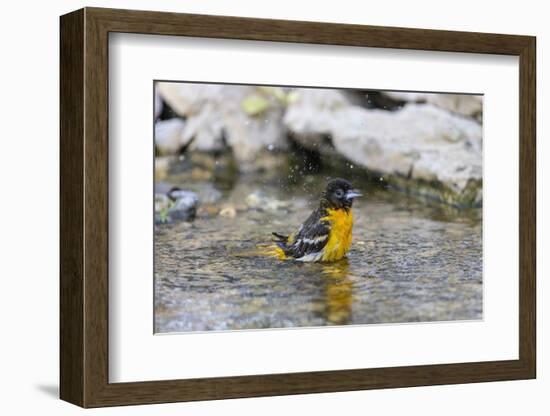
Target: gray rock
{"x":422,"y":147}
{"x":169,"y":136}
{"x":245,"y":118}
{"x":206,"y":192}
{"x":184,"y":207}
{"x":176,"y":194}
{"x":419,"y":142}
{"x":175,"y":205}
{"x":465,"y":104}
{"x":311,"y":117}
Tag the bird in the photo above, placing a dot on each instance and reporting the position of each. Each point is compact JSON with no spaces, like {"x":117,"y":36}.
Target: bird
{"x":325,"y":236}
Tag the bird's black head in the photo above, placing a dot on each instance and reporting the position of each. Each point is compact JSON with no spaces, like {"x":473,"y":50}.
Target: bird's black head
{"x":338,"y":194}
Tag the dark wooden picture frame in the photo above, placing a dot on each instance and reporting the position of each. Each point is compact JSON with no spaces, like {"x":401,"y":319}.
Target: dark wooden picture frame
{"x":84,"y":207}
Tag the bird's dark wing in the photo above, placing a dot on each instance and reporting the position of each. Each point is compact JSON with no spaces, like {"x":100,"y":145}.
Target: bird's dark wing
{"x":310,"y":239}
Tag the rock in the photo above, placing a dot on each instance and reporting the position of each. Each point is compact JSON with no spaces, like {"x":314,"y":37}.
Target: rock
{"x":207,"y":211}
{"x":206,"y":193}
{"x":255,"y":200}
{"x":258,"y":200}
{"x":175,"y":205}
{"x":465,"y":104}
{"x":419,"y":142}
{"x":229,"y":212}
{"x":168,"y":136}
{"x":184,"y":207}
{"x":176,"y":194}
{"x":158,"y":104}
{"x":310,"y":118}
{"x":422,"y":148}
{"x":245,"y":118}
{"x":162,"y":166}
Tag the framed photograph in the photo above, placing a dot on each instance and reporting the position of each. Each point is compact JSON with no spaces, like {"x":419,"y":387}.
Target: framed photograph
{"x":256,"y":207}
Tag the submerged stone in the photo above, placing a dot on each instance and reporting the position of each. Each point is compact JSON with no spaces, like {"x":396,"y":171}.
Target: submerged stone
{"x":176,"y":205}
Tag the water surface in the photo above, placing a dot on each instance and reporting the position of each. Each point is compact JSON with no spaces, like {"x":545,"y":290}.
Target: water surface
{"x":410,"y":262}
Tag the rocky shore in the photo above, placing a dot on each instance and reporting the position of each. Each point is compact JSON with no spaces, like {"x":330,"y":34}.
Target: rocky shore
{"x":429,"y":145}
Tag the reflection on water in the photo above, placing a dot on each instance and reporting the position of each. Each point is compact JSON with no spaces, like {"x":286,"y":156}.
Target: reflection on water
{"x":338,"y":292}
{"x":409,"y":262}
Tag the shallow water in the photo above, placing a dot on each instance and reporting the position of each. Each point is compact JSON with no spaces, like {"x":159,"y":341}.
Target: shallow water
{"x":409,"y":262}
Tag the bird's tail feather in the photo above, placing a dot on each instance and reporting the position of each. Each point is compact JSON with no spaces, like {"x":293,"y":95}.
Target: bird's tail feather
{"x":269,"y":250}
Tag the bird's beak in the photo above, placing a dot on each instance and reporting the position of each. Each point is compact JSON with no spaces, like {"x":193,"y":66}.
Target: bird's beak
{"x":352,"y":193}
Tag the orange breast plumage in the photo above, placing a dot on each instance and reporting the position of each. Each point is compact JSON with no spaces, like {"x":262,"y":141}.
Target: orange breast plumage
{"x":339,"y":238}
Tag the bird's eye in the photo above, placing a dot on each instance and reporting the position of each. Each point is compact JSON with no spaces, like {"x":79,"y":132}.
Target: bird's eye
{"x":339,"y":193}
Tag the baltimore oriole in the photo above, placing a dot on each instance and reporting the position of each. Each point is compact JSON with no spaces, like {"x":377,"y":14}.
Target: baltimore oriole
{"x":326,"y":234}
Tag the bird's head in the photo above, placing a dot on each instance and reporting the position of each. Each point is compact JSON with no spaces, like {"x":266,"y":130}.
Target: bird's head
{"x":338,"y":194}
